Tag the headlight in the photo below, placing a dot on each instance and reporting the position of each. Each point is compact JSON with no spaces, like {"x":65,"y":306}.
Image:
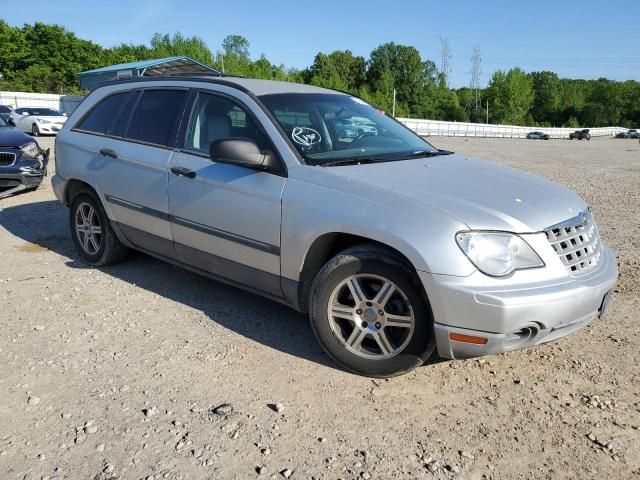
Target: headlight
{"x":497,"y":254}
{"x":40,"y":120}
{"x":30,"y":150}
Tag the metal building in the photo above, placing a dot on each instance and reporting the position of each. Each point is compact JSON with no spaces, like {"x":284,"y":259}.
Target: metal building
{"x":161,"y":66}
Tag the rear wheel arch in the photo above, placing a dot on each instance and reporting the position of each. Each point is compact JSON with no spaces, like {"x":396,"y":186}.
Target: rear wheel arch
{"x":327,"y":246}
{"x":75,"y":186}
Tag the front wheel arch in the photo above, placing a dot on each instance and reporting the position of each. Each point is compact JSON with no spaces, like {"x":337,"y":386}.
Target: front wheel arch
{"x":324,"y":248}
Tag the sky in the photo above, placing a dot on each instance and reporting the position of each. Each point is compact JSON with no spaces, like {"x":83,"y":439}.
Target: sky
{"x":576,"y":39}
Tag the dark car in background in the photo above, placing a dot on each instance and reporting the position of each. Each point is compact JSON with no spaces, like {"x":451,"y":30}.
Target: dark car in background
{"x":629,"y":134}
{"x":580,"y":135}
{"x":23,"y":164}
{"x":537,"y":136}
{"x":5,"y":111}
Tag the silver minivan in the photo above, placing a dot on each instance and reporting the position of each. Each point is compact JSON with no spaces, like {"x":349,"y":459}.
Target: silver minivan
{"x":316,"y":199}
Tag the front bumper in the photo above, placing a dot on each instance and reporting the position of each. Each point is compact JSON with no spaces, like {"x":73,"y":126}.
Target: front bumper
{"x":16,"y":177}
{"x":514,"y":316}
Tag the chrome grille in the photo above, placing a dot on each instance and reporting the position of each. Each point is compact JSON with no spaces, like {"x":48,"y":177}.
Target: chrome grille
{"x":577,"y":242}
{"x":7,"y":158}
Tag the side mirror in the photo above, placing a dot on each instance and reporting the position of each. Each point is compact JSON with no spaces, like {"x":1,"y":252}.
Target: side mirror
{"x":11,"y":122}
{"x":242,"y":152}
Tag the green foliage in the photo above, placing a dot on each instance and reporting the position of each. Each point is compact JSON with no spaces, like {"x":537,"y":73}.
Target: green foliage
{"x":510,"y":97}
{"x":338,"y":70}
{"x":48,"y":58}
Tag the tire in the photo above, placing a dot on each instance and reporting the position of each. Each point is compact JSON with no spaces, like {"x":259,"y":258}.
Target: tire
{"x":35,"y":131}
{"x":405,"y":347}
{"x":105,"y":249}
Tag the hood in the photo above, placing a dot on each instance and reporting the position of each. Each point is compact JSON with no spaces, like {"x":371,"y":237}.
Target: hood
{"x":13,"y":137}
{"x":52,"y":118}
{"x":481,"y":194}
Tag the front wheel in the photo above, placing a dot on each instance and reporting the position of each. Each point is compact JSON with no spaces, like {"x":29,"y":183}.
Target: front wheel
{"x":35,"y":131}
{"x":369,"y":313}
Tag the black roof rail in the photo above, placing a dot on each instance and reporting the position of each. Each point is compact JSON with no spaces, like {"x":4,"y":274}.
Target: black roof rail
{"x":207,"y":78}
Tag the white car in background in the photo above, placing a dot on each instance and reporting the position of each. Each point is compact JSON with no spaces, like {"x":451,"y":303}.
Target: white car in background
{"x":37,"y":120}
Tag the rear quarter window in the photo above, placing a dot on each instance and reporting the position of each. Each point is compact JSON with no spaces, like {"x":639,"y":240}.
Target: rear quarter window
{"x":103,"y":115}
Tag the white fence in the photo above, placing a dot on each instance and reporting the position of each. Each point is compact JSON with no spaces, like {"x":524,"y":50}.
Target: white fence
{"x":426,"y":128}
{"x":441,"y":128}
{"x":64,"y":103}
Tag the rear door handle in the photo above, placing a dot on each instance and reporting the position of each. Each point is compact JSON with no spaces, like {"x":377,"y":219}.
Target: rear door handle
{"x":183,"y":172}
{"x":107,"y":152}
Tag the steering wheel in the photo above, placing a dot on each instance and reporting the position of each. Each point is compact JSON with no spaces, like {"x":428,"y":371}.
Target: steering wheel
{"x":362,"y":135}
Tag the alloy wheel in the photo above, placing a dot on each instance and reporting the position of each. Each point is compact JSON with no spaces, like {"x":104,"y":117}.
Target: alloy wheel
{"x":371,"y":316}
{"x":88,"y":228}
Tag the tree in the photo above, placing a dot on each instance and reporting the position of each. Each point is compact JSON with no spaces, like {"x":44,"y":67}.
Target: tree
{"x":234,"y":58}
{"x":178,"y":45}
{"x":546,"y":102}
{"x":400,"y":67}
{"x":340,"y":70}
{"x":511,"y":95}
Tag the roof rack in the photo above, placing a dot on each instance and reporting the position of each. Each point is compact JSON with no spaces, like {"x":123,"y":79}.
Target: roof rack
{"x":198,"y":74}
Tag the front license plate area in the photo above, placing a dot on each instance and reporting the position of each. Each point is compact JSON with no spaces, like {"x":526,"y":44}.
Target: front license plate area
{"x":605,"y":303}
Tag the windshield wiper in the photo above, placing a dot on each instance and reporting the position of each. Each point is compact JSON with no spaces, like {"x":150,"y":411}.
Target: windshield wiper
{"x":429,"y":153}
{"x":354,"y":161}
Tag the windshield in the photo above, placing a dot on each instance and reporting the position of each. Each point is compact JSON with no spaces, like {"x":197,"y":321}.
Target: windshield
{"x":2,"y":122}
{"x":44,"y":112}
{"x":331,"y":128}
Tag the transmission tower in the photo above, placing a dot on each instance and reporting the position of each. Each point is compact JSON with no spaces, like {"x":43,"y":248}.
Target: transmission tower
{"x":475,"y":75}
{"x":445,"y":59}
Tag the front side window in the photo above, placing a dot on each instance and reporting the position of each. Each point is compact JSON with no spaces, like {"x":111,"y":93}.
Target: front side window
{"x":332,"y":128}
{"x":215,"y":118}
{"x":155,"y":117}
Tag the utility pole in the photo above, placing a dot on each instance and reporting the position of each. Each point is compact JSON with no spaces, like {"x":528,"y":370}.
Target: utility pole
{"x":393,"y":109}
{"x":487,"y":111}
{"x":445,"y":59}
{"x":475,"y":74}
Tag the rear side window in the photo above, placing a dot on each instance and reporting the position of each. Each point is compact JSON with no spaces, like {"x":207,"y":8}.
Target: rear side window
{"x":102,"y":116}
{"x":155,"y":117}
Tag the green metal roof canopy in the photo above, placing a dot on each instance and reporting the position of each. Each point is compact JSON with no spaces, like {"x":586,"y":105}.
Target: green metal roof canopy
{"x":161,"y":66}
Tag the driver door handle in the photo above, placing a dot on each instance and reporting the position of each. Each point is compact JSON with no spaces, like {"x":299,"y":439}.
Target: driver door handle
{"x":183,"y":172}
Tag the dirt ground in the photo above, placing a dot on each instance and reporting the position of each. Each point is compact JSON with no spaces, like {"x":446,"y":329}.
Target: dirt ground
{"x":116,"y":372}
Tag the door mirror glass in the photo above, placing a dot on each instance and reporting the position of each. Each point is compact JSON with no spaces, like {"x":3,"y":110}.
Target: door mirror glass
{"x":241,"y":152}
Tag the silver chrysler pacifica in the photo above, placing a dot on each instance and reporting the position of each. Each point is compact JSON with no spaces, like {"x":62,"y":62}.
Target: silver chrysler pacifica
{"x":316,"y":199}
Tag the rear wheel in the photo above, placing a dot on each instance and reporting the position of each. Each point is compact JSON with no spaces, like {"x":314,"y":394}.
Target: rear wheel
{"x":35,"y":131}
{"x":91,"y":232}
{"x":369,"y":313}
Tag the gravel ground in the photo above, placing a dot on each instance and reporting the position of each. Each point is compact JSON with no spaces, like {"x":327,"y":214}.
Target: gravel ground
{"x":119,"y":372}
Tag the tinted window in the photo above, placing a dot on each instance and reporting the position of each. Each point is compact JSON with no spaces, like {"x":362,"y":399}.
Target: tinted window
{"x":156,"y":116}
{"x":4,"y":109}
{"x":215,"y":118}
{"x":103,"y":114}
{"x":44,"y":112}
{"x":120,"y":125}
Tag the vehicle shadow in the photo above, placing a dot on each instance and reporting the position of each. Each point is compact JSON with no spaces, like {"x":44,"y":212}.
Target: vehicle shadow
{"x":45,"y":226}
